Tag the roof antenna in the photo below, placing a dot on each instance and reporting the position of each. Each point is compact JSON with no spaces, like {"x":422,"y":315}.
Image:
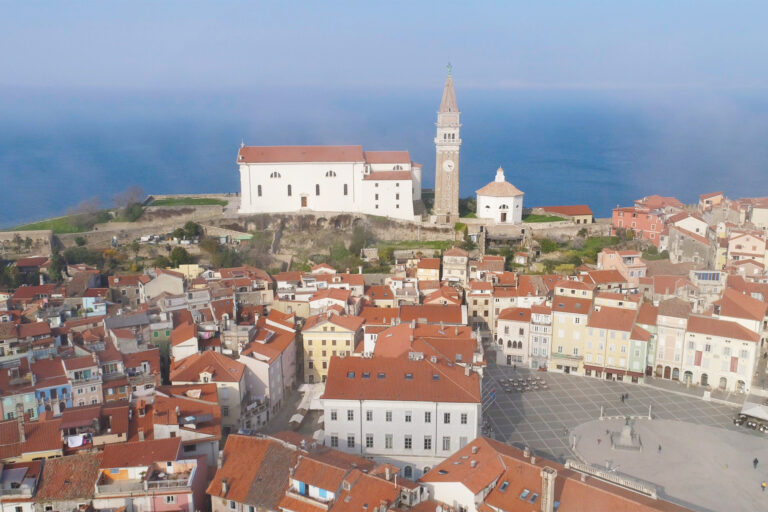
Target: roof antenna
{"x":242,"y":143}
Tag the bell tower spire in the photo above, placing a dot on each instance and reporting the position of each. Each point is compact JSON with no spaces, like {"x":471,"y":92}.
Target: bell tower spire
{"x":447,"y":144}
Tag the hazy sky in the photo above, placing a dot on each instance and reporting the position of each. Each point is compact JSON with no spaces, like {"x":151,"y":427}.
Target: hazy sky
{"x":542,"y":44}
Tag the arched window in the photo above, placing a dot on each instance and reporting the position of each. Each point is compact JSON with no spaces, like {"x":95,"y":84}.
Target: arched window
{"x":330,"y":174}
{"x":509,"y":344}
{"x":503,"y":207}
{"x":426,"y":470}
{"x":408,"y":472}
{"x":258,"y":190}
{"x":275,"y":174}
{"x":290,"y":191}
{"x":398,"y":167}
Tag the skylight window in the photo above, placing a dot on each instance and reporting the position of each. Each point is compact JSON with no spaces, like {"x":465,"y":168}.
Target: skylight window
{"x":382,"y":375}
{"x":435,"y":376}
{"x":366,"y":375}
{"x":350,"y":375}
{"x":409,"y":376}
{"x":504,"y":486}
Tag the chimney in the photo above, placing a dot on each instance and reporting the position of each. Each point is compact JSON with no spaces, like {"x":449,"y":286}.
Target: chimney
{"x":178,"y":411}
{"x":141,"y":434}
{"x":474,"y":449}
{"x":533,"y":459}
{"x":359,"y":269}
{"x":20,"y":423}
{"x":548,"y":476}
{"x":142,"y":408}
{"x":526,"y":452}
{"x":467,"y":371}
{"x":387,"y":474}
{"x":473,"y":464}
{"x":224,"y":486}
{"x":583,"y":477}
{"x":95,"y":357}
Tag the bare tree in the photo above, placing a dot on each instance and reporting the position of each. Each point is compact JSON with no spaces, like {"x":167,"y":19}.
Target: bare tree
{"x":129,"y":196}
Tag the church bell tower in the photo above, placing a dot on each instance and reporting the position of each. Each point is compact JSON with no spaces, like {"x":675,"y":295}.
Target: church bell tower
{"x":447,"y":144}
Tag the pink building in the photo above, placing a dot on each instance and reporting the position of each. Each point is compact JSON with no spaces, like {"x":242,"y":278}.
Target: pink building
{"x":627,"y":263}
{"x":643,"y":222}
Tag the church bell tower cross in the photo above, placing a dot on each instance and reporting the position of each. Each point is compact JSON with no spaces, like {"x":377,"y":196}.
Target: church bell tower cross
{"x":447,"y":144}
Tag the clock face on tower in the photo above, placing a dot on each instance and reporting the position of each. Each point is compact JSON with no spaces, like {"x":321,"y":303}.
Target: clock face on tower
{"x":448,"y":165}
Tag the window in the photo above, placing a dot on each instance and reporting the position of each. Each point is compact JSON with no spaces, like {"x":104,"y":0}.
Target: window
{"x":368,"y":415}
{"x":388,"y":416}
{"x":407,"y":416}
{"x":408,"y":442}
{"x":330,"y":174}
{"x":427,"y":417}
{"x":446,"y":417}
{"x":397,"y":196}
{"x":334,"y":441}
{"x":463,"y":418}
{"x":170,"y":499}
{"x":275,"y":174}
{"x":258,"y":190}
{"x":388,"y":441}
{"x":369,"y":440}
{"x":446,"y":443}
{"x":707,"y":348}
{"x":334,"y":415}
{"x":232,"y":505}
{"x":317,"y":190}
{"x":346,"y":189}
{"x":350,"y":440}
{"x":427,"y":442}
{"x":290,"y":191}
{"x":225,"y":411}
{"x":376,"y":197}
{"x":462,"y":442}
{"x":350,"y":415}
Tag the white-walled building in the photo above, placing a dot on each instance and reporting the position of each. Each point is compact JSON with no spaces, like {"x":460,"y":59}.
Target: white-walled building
{"x":500,"y":201}
{"x":346,"y":179}
{"x":720,"y":354}
{"x":512,"y":336}
{"x":410,"y":412}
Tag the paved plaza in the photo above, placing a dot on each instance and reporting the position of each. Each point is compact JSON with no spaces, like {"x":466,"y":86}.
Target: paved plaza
{"x":700,"y":467}
{"x":539,"y":419}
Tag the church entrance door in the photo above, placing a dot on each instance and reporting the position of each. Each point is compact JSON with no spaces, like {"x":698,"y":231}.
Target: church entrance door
{"x":303,"y":201}
{"x":503,"y":216}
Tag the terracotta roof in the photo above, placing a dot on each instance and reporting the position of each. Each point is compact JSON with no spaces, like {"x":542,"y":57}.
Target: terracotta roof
{"x":322,"y":266}
{"x":150,"y":356}
{"x":256,"y":471}
{"x":572,"y":284}
{"x":162,"y":411}
{"x":691,"y":235}
{"x":739,"y":305}
{"x":432,"y":313}
{"x":388,"y":175}
{"x":279,"y":154}
{"x":379,"y":316}
{"x":182,"y":333}
{"x":722,"y":328}
{"x":366,"y":492}
{"x":576,"y":209}
{"x":515,"y":314}
{"x":429,"y":263}
{"x":41,"y":436}
{"x":379,"y":292}
{"x":499,"y":189}
{"x":78,"y":363}
{"x":710,"y":195}
{"x":456,"y":251}
{"x":332,"y":293}
{"x":70,"y":478}
{"x":605,"y":276}
{"x":571,"y":305}
{"x":351,"y":323}
{"x":142,"y":453}
{"x":447,"y":293}
{"x":677,"y":308}
{"x":399,"y":379}
{"x":647,"y":314}
{"x":656,"y":201}
{"x":447,"y":344}
{"x":387,"y":157}
{"x":34,"y":329}
{"x":31,"y":261}
{"x":640,"y":334}
{"x":223,"y":368}
{"x":614,"y":319}
{"x":204,"y":392}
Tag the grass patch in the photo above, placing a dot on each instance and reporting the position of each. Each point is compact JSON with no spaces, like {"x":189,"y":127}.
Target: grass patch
{"x":542,"y":218}
{"x":59,"y":225}
{"x":189,"y":201}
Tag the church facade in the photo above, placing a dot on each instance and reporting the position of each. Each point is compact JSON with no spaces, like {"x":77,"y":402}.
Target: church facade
{"x":283,"y":179}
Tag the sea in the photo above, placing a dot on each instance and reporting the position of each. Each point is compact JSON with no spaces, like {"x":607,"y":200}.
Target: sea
{"x":59,"y":148}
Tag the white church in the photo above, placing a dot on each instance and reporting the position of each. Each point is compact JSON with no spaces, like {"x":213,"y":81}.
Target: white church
{"x":287,"y":179}
{"x":277,"y":179}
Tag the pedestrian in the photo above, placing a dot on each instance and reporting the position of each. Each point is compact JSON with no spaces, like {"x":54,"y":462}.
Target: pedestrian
{"x":755,"y":463}
{"x":763,"y":486}
{"x":659,"y":449}
{"x":598,"y":441}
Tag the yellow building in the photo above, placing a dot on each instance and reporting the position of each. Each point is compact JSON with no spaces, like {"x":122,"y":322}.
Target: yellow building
{"x":607,"y":347}
{"x":24,"y":441}
{"x":571,"y":306}
{"x":327,"y":335}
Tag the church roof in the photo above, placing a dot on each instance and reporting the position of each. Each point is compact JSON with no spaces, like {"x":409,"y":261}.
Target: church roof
{"x":499,"y":187}
{"x":448,"y":103}
{"x":278,"y":154}
{"x":387,"y":157}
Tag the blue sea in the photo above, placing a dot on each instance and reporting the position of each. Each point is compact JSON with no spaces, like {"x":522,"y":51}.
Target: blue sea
{"x":603,"y":148}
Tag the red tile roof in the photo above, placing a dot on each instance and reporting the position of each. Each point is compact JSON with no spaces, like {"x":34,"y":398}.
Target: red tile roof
{"x":721,"y":328}
{"x":739,"y":305}
{"x":183,"y":332}
{"x":429,"y":263}
{"x":387,"y":157}
{"x":432,"y":313}
{"x":571,"y":305}
{"x":379,"y":316}
{"x":576,"y":209}
{"x":613,"y":319}
{"x":430,"y":382}
{"x":388,"y":176}
{"x":456,"y":251}
{"x":142,"y":453}
{"x":291,"y":154}
{"x":71,"y":478}
{"x":516,"y":314}
{"x":499,"y":189}
{"x":223,"y":368}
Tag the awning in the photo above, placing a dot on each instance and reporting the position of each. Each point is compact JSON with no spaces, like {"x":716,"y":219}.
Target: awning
{"x":616,"y":371}
{"x":755,"y":410}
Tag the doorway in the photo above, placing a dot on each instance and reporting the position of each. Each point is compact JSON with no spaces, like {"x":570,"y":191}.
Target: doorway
{"x":303,"y":201}
{"x":503,"y":216}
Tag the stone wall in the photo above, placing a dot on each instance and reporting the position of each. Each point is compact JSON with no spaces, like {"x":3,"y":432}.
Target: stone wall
{"x":41,"y":242}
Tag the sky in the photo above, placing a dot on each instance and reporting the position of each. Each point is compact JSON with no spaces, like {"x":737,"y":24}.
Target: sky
{"x":628,"y":44}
